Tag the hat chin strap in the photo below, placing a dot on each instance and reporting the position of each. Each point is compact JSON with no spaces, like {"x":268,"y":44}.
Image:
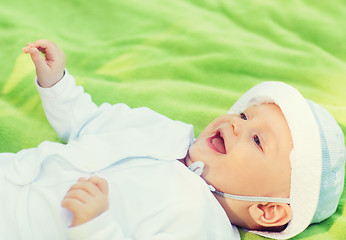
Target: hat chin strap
{"x":198,"y":167}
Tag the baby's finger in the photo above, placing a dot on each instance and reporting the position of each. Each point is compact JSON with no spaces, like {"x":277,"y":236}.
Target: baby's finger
{"x":72,"y":204}
{"x":86,"y":186}
{"x":42,"y":43}
{"x":80,"y":195}
{"x":37,"y":58}
{"x":82,"y":179}
{"x":26,"y":49}
{"x":46,"y":47}
{"x":101,"y":183}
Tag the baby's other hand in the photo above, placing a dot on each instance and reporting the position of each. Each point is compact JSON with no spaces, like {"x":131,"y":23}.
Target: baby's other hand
{"x":49,"y":69}
{"x":86,"y":199}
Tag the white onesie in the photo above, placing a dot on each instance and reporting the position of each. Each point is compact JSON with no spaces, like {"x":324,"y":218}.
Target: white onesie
{"x":151,"y":194}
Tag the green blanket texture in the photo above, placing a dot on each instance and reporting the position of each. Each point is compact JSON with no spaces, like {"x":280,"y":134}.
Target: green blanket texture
{"x":187,"y":59}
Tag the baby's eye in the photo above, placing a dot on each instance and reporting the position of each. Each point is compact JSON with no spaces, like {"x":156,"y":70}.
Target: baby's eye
{"x":243,"y":116}
{"x":257,"y":141}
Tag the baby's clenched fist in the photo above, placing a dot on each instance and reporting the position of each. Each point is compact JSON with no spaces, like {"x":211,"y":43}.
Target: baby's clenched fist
{"x":86,"y":199}
{"x":50,"y":68}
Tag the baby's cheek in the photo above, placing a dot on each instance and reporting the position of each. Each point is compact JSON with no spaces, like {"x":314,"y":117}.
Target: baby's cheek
{"x":195,"y":154}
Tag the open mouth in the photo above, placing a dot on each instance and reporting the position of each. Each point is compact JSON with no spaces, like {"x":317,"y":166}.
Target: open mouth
{"x":217,"y":143}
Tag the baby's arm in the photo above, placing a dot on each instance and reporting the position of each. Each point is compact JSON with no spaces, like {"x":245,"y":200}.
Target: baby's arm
{"x":50,"y":69}
{"x":86,"y":199}
{"x":67,"y":107}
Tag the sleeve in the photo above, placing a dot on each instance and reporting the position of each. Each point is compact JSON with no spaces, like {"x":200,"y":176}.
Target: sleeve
{"x":68,"y":108}
{"x":101,"y":227}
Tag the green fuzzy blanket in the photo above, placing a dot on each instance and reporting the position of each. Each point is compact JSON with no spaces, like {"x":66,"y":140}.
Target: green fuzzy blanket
{"x":187,"y":59}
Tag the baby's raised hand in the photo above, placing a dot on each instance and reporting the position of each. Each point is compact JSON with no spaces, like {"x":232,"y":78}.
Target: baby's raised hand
{"x":86,"y":199}
{"x":49,"y":69}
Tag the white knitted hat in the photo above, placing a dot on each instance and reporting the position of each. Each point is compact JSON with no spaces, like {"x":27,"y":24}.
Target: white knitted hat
{"x":317,"y":158}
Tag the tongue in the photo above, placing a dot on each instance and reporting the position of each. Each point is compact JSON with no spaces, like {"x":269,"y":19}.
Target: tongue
{"x":219,"y":145}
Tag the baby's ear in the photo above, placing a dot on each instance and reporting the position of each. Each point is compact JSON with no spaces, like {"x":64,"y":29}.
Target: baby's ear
{"x":270,"y":214}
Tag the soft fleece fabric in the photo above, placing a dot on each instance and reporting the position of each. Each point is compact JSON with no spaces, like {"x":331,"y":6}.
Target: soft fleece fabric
{"x":187,"y":59}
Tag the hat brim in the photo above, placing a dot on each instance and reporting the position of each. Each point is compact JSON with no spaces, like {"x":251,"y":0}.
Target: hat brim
{"x":306,"y":157}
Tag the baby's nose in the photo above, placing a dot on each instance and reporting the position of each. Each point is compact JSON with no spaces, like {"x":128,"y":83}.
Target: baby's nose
{"x":236,"y":125}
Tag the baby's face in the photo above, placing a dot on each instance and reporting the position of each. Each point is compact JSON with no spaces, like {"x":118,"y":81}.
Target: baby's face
{"x":246,"y":154}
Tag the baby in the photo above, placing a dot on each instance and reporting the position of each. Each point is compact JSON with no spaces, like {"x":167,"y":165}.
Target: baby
{"x":273,"y":165}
